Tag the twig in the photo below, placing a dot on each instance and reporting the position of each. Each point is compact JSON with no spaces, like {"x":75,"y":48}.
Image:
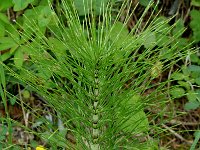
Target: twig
{"x":176,"y":134}
{"x":22,"y":106}
{"x":177,"y":122}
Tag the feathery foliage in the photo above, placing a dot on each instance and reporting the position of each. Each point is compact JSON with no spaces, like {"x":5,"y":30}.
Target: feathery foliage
{"x":95,"y":73}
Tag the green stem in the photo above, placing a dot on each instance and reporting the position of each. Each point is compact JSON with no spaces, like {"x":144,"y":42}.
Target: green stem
{"x":95,"y":130}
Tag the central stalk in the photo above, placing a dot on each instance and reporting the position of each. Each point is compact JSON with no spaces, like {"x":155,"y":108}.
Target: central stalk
{"x":95,"y":130}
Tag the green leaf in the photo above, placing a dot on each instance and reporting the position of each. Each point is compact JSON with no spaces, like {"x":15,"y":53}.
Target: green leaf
{"x":16,"y":147}
{"x":180,"y":42}
{"x":196,"y":140}
{"x":144,"y":2}
{"x":194,"y":68}
{"x":4,"y":18}
{"x":194,"y":24}
{"x":136,"y":123}
{"x":99,"y":6}
{"x":36,"y":2}
{"x":44,"y":17}
{"x":149,"y":40}
{"x":192,"y":96}
{"x":184,"y":84}
{"x":41,"y":15}
{"x":2,"y":30}
{"x":197,"y":81}
{"x":3,"y":130}
{"x":58,"y":46}
{"x":12,"y":100}
{"x":191,"y":105}
{"x":44,"y":2}
{"x":177,"y":92}
{"x":21,"y":4}
{"x":2,"y":137}
{"x":178,"y":76}
{"x":13,"y":33}
{"x":38,"y":122}
{"x":194,"y":58}
{"x":119,"y":30}
{"x":26,"y":94}
{"x":119,"y":33}
{"x":30,"y":16}
{"x":195,"y":3}
{"x":179,"y":28}
{"x":5,"y":4}
{"x":54,"y":137}
{"x":5,"y":56}
{"x":44,"y":73}
{"x":162,"y":39}
{"x":84,"y":6}
{"x":30,"y":19}
{"x":185,"y":70}
{"x":34,"y":143}
{"x":19,"y":58}
{"x":156,"y":70}
{"x":6,"y":43}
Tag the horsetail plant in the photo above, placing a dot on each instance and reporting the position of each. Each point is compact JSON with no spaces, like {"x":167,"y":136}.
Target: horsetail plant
{"x":95,"y":73}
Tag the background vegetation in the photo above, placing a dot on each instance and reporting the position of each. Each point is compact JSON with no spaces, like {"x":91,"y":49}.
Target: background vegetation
{"x":22,"y":109}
